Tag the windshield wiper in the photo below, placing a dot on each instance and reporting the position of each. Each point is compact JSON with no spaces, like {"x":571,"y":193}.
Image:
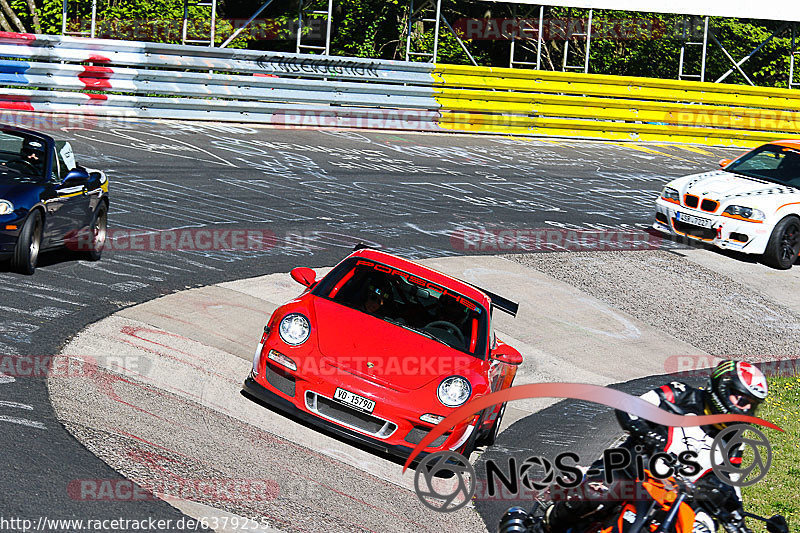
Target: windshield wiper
{"x":432,"y":336}
{"x":415,"y":330}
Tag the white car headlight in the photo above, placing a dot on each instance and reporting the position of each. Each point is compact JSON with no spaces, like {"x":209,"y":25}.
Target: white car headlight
{"x":6,"y":207}
{"x":745,"y":212}
{"x":671,"y":194}
{"x":294,"y":329}
{"x":454,"y":391}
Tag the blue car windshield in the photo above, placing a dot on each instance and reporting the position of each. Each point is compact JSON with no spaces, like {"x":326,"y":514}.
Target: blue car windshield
{"x":22,"y":157}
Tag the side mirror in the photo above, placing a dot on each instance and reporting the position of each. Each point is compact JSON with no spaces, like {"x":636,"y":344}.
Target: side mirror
{"x":304,"y":276}
{"x":724,"y":163}
{"x":76,"y":176}
{"x":506,"y":354}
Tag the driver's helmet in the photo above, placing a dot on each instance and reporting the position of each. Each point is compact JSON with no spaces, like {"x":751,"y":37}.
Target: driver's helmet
{"x":32,"y":146}
{"x":737,"y":388}
{"x":378,"y":291}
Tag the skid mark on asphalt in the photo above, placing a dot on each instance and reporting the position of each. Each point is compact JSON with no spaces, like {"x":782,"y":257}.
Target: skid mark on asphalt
{"x":128,"y":139}
{"x":31,"y":293}
{"x":17,"y":332}
{"x":42,"y":312}
{"x":180,"y":356}
{"x":201,"y":207}
{"x":7,"y":380}
{"x":22,"y":422}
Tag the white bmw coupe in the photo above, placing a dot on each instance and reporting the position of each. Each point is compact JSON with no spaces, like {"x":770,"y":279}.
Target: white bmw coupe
{"x":752,"y":204}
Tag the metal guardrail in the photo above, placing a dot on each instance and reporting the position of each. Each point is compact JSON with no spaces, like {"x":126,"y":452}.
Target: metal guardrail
{"x":119,"y":78}
{"x":516,"y":101}
{"x":148,"y":80}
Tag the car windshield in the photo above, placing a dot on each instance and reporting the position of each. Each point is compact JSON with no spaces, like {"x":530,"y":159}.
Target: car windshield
{"x":771,"y":162}
{"x":22,"y":157}
{"x":408,"y":301}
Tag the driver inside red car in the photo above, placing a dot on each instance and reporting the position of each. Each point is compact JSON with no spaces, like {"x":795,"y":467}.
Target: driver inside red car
{"x":376,"y":298}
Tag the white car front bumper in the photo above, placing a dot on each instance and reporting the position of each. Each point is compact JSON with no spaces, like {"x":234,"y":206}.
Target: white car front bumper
{"x":723,"y":232}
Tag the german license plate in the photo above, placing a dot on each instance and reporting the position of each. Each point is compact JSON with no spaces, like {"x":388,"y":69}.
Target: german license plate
{"x":693,"y":220}
{"x":354,"y":400}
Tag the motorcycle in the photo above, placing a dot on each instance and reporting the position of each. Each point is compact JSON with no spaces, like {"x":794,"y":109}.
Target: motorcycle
{"x":669,"y":506}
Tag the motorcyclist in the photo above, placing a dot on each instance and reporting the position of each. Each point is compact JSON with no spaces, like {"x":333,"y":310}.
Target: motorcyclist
{"x":733,"y":388}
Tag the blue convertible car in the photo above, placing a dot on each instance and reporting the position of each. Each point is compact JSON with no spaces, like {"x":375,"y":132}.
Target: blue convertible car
{"x":46,"y":200}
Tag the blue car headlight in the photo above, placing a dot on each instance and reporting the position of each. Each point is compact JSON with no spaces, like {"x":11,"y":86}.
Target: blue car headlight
{"x":6,"y":207}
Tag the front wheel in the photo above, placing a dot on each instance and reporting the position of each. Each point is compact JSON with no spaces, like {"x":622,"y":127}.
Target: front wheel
{"x":26,"y":253}
{"x":490,"y":437}
{"x":472,"y":441}
{"x":784,"y":244}
{"x":98,"y":231}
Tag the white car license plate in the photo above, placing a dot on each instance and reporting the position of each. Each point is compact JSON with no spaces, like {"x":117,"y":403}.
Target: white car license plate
{"x":354,"y":400}
{"x":693,"y":220}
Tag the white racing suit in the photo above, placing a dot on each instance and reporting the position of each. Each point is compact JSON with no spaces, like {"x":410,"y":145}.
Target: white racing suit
{"x":675,"y":397}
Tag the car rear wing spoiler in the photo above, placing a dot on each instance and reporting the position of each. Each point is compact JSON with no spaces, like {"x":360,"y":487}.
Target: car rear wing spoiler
{"x":503,"y":304}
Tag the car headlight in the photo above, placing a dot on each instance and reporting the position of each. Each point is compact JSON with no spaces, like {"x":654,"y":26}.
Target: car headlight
{"x":745,"y":212}
{"x":454,"y":391}
{"x":6,"y":207}
{"x":294,"y":329}
{"x":670,"y":194}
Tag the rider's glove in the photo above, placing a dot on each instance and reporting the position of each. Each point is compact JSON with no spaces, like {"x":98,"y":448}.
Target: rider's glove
{"x":654,"y":440}
{"x":777,"y":524}
{"x":733,"y":522}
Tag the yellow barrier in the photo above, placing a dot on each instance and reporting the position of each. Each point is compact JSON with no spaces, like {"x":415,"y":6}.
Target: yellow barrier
{"x":517,"y":101}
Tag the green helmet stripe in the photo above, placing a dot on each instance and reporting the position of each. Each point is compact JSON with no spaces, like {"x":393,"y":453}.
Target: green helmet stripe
{"x":727,"y":366}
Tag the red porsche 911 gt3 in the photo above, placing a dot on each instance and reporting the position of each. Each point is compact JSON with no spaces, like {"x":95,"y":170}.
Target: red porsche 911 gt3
{"x":382,"y":349}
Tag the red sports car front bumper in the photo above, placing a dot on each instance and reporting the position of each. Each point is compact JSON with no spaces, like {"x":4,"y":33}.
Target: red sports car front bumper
{"x":393,"y":427}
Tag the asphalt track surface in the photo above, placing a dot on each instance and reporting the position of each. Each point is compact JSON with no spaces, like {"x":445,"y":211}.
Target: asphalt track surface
{"x":317,"y":193}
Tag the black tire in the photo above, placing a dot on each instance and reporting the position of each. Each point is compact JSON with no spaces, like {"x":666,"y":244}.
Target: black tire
{"x":98,"y":230}
{"x":784,"y":244}
{"x":29,"y":244}
{"x":490,"y":437}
